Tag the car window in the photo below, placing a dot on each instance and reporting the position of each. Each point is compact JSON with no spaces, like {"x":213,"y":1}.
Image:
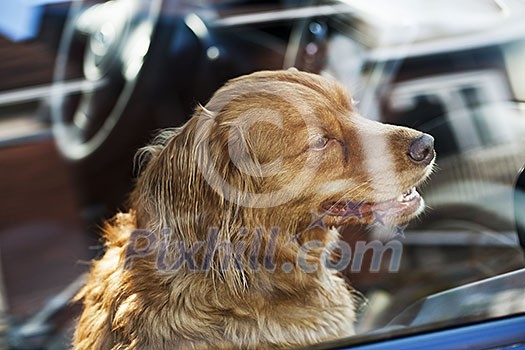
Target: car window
{"x":84,"y":84}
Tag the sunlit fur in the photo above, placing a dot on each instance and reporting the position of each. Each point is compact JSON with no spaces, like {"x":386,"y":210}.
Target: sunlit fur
{"x":142,"y":307}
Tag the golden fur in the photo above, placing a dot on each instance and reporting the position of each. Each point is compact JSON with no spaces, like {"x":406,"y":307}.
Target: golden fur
{"x":266,"y":152}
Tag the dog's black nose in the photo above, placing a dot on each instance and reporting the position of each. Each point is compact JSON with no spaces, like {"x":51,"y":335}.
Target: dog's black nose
{"x":421,"y":150}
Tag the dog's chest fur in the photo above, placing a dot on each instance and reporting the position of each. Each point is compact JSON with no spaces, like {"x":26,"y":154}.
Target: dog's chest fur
{"x":139,"y":308}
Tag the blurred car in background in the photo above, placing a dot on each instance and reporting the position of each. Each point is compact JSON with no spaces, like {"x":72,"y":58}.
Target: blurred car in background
{"x":108,"y":75}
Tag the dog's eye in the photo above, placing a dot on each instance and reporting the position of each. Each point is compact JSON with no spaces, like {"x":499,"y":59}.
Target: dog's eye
{"x":319,"y":142}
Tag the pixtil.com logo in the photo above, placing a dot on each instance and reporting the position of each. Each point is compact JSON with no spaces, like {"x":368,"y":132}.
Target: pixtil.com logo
{"x":251,"y":254}
{"x":239,"y":128}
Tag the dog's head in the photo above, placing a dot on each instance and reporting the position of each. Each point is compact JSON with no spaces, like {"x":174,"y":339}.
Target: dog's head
{"x":277,"y":149}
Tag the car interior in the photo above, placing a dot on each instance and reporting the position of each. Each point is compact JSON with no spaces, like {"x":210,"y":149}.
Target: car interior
{"x":86,"y":83}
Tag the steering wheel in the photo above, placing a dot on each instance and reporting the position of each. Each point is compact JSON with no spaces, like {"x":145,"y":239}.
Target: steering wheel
{"x":106,"y":43}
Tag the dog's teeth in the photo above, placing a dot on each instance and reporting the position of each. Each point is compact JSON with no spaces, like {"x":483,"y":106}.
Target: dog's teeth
{"x":407,"y":196}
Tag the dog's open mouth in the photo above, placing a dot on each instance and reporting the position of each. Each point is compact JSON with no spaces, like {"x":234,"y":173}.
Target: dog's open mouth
{"x":404,"y":206}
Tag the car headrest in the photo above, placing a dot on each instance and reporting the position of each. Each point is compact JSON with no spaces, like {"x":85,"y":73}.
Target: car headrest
{"x":519,"y":207}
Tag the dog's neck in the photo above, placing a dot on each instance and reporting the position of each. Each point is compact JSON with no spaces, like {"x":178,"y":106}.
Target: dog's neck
{"x":290,"y":260}
{"x":270,"y":260}
{"x":242,"y":298}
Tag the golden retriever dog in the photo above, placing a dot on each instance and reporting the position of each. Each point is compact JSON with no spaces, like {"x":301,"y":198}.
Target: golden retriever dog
{"x":225,"y":245}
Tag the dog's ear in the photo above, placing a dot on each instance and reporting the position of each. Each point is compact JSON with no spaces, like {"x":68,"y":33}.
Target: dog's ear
{"x":224,"y":158}
{"x":242,"y":154}
{"x":167,"y":183}
{"x":185,"y":171}
{"x":146,"y":154}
